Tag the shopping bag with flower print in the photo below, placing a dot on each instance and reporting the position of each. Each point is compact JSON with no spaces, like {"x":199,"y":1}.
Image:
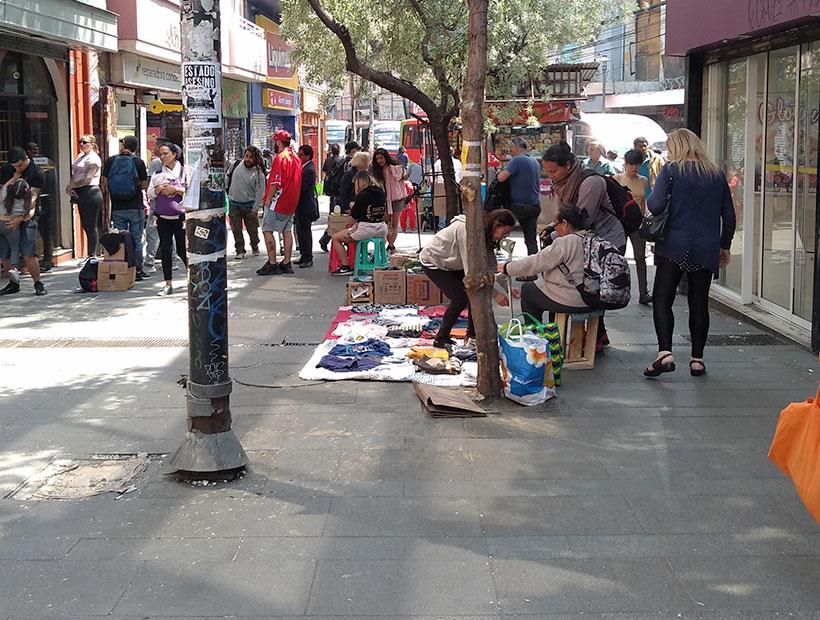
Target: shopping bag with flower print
{"x":526,"y":368}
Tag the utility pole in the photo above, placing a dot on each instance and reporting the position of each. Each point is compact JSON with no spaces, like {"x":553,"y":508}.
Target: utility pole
{"x":210,"y":446}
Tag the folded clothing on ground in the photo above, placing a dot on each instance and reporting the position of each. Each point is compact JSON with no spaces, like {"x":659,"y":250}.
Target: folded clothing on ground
{"x":371,"y":347}
{"x":335,"y":363}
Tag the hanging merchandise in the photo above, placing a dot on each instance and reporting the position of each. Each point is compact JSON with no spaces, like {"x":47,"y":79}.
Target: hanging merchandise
{"x":526,"y":365}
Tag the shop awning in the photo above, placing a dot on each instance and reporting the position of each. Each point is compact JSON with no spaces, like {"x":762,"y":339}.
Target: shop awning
{"x":646,"y":100}
{"x":559,"y":82}
{"x":76,"y":23}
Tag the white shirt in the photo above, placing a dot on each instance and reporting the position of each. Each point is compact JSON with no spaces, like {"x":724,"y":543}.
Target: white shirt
{"x":456,"y":166}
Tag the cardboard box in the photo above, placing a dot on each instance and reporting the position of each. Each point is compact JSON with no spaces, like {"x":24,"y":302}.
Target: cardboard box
{"x":335,"y":223}
{"x":118,"y":255}
{"x":359,"y":292}
{"x":421,"y":290}
{"x":390,"y":286}
{"x":115,"y":275}
{"x":400,"y":259}
{"x":439,"y":193}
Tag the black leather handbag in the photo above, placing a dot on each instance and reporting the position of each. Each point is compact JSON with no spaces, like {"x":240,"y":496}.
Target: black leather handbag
{"x":653,"y":227}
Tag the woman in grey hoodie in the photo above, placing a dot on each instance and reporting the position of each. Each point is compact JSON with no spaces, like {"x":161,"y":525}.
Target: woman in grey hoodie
{"x":444,"y":260}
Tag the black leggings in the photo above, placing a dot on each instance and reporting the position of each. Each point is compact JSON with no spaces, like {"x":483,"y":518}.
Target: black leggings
{"x":451,"y":284}
{"x":89,"y":201}
{"x":667,"y":278}
{"x":170,"y":230}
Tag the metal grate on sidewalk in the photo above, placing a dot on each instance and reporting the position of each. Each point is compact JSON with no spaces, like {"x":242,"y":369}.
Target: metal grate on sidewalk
{"x":741,"y":340}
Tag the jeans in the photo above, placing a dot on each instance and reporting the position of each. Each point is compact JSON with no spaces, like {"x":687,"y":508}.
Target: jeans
{"x":46,"y":227}
{"x":527,"y":216}
{"x":10,"y":243}
{"x":250,"y":217}
{"x":168,"y":232}
{"x":132,"y":220}
{"x":667,"y":277}
{"x":451,"y":284}
{"x":89,"y":201}
{"x":304,"y":236}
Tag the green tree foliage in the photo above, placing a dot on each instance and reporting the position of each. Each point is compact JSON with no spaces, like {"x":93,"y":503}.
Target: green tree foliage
{"x":424,"y":42}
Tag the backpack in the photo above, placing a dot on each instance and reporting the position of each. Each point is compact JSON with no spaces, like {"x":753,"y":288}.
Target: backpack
{"x":229,"y":176}
{"x":498,"y":196}
{"x":606,"y":274}
{"x":333,"y":180}
{"x":624,"y":206}
{"x":88,"y":277}
{"x":123,"y":180}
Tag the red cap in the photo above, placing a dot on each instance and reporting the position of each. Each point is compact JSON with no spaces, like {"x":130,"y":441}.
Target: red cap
{"x":282,"y":135}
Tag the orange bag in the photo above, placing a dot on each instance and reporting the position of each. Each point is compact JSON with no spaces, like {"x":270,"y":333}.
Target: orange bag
{"x":795,"y":450}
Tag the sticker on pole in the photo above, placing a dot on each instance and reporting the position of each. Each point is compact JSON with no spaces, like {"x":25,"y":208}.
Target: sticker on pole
{"x":201,"y":93}
{"x":202,"y":232}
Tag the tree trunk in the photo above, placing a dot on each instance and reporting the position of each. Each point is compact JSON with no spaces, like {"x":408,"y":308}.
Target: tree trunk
{"x":479,"y":281}
{"x":440,"y":130}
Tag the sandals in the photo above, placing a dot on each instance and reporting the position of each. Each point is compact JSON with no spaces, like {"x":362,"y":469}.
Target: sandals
{"x":697,"y":372}
{"x":658,"y":367}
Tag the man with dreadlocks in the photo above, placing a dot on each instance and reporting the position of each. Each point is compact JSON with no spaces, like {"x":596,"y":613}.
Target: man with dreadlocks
{"x":246,"y":187}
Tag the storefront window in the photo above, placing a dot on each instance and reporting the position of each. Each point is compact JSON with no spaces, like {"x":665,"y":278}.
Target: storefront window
{"x":778,"y":182}
{"x":806,"y":186}
{"x":732,"y":161}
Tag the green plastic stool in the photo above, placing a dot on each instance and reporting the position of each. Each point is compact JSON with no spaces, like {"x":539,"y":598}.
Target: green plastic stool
{"x":363,"y":262}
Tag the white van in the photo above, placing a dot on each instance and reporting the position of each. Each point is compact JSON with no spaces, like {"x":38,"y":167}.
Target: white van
{"x":616,"y":132}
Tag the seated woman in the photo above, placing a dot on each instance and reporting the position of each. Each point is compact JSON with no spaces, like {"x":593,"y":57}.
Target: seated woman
{"x":552,"y":291}
{"x":444,"y":260}
{"x":369,"y":209}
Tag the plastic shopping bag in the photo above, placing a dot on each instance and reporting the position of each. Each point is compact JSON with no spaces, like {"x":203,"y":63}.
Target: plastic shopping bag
{"x":526,"y":367}
{"x":795,"y":450}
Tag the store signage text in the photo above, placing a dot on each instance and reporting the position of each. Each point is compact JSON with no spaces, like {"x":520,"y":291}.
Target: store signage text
{"x":671,"y":112}
{"x":279,"y":65}
{"x":277,"y":99}
{"x":782,"y":111}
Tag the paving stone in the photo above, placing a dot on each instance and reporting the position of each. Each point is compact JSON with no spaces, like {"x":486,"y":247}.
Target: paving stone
{"x":161,"y":549}
{"x":548,"y":516}
{"x":430,"y":463}
{"x":360,"y":588}
{"x":36,"y":589}
{"x":589,"y":585}
{"x":389,"y":516}
{"x":501,"y":459}
{"x":271,"y":588}
{"x":753,"y":584}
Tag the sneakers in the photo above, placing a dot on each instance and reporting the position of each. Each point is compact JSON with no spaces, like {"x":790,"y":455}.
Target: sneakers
{"x":46,"y":267}
{"x":141,"y":275}
{"x":269,"y":270}
{"x":645,"y":298}
{"x":14,"y":275}
{"x":39,"y":289}
{"x":344,"y":270}
{"x":255,"y":251}
{"x":149,"y":269}
{"x":166,"y":290}
{"x":285,"y":268}
{"x":240,"y":255}
{"x":306,"y":264}
{"x":10,"y":289}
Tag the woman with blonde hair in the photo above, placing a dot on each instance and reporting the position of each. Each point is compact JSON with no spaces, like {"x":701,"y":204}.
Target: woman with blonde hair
{"x":699,"y":229}
{"x":84,"y":189}
{"x":369,"y":209}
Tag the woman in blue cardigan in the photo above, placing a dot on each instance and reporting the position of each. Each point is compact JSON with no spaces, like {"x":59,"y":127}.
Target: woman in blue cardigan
{"x":699,"y":231}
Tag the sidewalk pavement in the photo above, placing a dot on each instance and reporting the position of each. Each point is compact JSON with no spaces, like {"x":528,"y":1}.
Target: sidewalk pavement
{"x":622,"y":499}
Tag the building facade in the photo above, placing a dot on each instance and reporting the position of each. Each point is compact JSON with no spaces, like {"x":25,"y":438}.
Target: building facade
{"x":48,"y":59}
{"x":753,"y":94}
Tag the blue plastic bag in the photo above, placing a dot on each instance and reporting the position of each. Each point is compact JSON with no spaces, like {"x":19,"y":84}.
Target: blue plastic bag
{"x":526,"y":367}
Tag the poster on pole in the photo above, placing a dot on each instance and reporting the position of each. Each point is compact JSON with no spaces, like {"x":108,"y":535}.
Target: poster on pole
{"x":202,"y":93}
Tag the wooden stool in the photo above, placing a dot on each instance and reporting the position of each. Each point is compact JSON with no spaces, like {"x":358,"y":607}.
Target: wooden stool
{"x":579,"y":347}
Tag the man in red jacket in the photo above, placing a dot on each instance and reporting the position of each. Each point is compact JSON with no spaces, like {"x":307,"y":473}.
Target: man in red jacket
{"x":280,"y":201}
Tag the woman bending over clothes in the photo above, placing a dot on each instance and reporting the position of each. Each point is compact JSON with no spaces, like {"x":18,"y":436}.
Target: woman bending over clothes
{"x":444,"y":260}
{"x":84,"y":189}
{"x":552,"y":292}
{"x":368,"y":212}
{"x":699,"y":230}
{"x":168,"y":187}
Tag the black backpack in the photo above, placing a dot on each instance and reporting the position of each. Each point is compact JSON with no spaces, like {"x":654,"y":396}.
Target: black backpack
{"x":333,"y":180}
{"x":498,"y":196}
{"x":123,"y":179}
{"x":624,"y":206}
{"x":229,"y":176}
{"x":88,"y":276}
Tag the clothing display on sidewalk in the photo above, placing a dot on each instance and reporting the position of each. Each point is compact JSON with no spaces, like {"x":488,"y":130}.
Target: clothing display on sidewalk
{"x":347,"y":364}
{"x":370,"y":347}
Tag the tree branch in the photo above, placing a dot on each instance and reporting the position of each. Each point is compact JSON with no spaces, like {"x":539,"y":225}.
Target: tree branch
{"x":386,"y":80}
